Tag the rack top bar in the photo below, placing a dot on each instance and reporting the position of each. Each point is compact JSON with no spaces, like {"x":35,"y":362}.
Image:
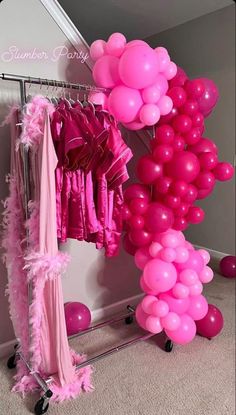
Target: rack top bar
{"x":51,"y":82}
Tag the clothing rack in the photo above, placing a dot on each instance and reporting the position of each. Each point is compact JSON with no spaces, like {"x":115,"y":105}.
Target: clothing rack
{"x":43,"y":403}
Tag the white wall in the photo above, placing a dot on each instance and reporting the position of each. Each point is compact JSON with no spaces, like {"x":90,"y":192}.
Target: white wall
{"x":205,"y":47}
{"x":92,"y":279}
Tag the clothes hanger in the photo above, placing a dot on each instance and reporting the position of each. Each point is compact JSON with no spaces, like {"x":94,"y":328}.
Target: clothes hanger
{"x":29,"y":97}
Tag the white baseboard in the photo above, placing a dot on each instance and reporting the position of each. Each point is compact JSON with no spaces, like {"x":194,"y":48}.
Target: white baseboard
{"x":214,"y":254}
{"x":7,"y":349}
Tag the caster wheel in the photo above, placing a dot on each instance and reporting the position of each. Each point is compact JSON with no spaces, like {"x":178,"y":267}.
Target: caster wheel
{"x":39,"y":408}
{"x":129,"y":320}
{"x":168,"y":346}
{"x":11,"y":363}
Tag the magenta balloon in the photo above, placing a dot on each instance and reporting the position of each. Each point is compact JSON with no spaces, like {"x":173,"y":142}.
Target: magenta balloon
{"x":212,"y":323}
{"x":163,"y":153}
{"x":77,"y":316}
{"x":158,"y":218}
{"x":179,"y":143}
{"x":228,"y":266}
{"x":195,"y":215}
{"x":139,"y":237}
{"x":173,"y":202}
{"x":202,"y":193}
{"x":209,"y":98}
{"x":105,"y":71}
{"x":182,"y":123}
{"x":126,"y":214}
{"x":208,"y":160}
{"x":178,"y":96}
{"x":138,"y":66}
{"x":197,"y":119}
{"x":190,"y":107}
{"x":124,"y":103}
{"x":204,"y":145}
{"x":195,"y":262}
{"x":148,"y":170}
{"x":198,"y":307}
{"x":128,"y":246}
{"x":205,"y":180}
{"x":136,"y":222}
{"x":177,"y":305}
{"x":165,"y":134}
{"x":195,"y":88}
{"x":223,"y":171}
{"x":179,"y":79}
{"x":185,"y":333}
{"x":160,"y":275}
{"x":193,"y":136}
{"x":162,"y":185}
{"x":182,"y":210}
{"x":179,"y":188}
{"x":183,"y":166}
{"x":137,"y":191}
{"x":180,"y":224}
{"x":142,"y":257}
{"x":166,"y":119}
{"x":138,"y":206}
{"x":191,"y":194}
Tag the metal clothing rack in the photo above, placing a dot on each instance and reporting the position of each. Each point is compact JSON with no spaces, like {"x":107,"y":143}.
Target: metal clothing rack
{"x":42,"y":404}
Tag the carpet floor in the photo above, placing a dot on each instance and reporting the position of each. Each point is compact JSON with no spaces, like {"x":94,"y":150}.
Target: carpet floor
{"x":196,"y":379}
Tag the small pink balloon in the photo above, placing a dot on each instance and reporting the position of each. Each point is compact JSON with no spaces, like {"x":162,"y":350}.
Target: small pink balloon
{"x":228,"y":266}
{"x":148,"y":170}
{"x":168,"y":254}
{"x":205,"y":180}
{"x":208,"y":161}
{"x":116,"y":44}
{"x":179,"y":143}
{"x":138,"y":206}
{"x":136,"y":42}
{"x":196,"y":289}
{"x":170,"y":71}
{"x":137,"y":190}
{"x":163,"y":153}
{"x":151,"y":94}
{"x":160,"y":275}
{"x":206,"y":275}
{"x":134,"y":125}
{"x":204,"y":146}
{"x":190,"y":107}
{"x":177,"y":305}
{"x":195,"y":88}
{"x":145,"y":288}
{"x":194,"y":262}
{"x":147,"y":303}
{"x":160,"y":308}
{"x":203,"y":193}
{"x":136,"y":222}
{"x":105,"y":71}
{"x":182,"y":210}
{"x":149,"y":114}
{"x":164,"y":134}
{"x":183,"y":166}
{"x":139,"y":237}
{"x":195,"y":215}
{"x":162,"y":184}
{"x":186,"y":331}
{"x":161,"y":83}
{"x":182,"y":123}
{"x":98,"y":98}
{"x":171,"y":239}
{"x":191,"y":194}
{"x":171,"y":321}
{"x":165,"y":105}
{"x":154,"y":249}
{"x":212,"y":323}
{"x":77,"y":316}
{"x":179,"y":188}
{"x":198,"y":307}
{"x":188,"y":277}
{"x":182,"y":254}
{"x":180,"y":224}
{"x":141,"y":317}
{"x":97,"y":49}
{"x":223,"y":171}
{"x":193,"y":136}
{"x":209,"y":98}
{"x":173,"y":202}
{"x":153,"y":324}
{"x":142,"y":257}
{"x":163,"y":59}
{"x":189,"y":246}
{"x":178,"y":96}
{"x":180,"y":290}
{"x":179,"y":79}
{"x":124,"y":103}
{"x":205,"y":255}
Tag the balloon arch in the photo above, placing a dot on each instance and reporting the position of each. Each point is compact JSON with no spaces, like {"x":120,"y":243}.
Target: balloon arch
{"x":148,"y":89}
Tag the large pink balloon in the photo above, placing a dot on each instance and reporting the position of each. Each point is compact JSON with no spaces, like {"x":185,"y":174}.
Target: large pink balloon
{"x":160,"y":275}
{"x":124,"y":103}
{"x":185,"y":333}
{"x":198,"y":307}
{"x":137,"y":190}
{"x":148,"y":170}
{"x":183,"y":166}
{"x":177,"y":305}
{"x":158,"y":218}
{"x":105,"y":71}
{"x":138,"y":66}
{"x":78,"y":317}
{"x":209,"y":98}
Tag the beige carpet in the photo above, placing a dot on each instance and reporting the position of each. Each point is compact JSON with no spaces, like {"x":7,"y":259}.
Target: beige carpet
{"x":196,"y":379}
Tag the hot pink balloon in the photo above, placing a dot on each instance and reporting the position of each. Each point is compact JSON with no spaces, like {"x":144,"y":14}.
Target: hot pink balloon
{"x":148,"y":170}
{"x":154,"y":249}
{"x":161,"y":83}
{"x":165,"y":134}
{"x":116,"y":44}
{"x":191,"y":194}
{"x":206,"y":275}
{"x":153,"y":324}
{"x":139,"y":237}
{"x":170,"y":71}
{"x":134,"y":125}
{"x":151,"y":94}
{"x":142,"y":257}
{"x":178,"y":96}
{"x":180,"y":290}
{"x":141,"y":316}
{"x":193,"y":136}
{"x":97,"y":49}
{"x":162,"y":185}
{"x":188,"y":277}
{"x":149,"y":114}
{"x":223,"y":171}
{"x":172,"y":239}
{"x":124,"y":103}
{"x":196,"y":289}
{"x":182,"y":254}
{"x":147,"y":303}
{"x":177,"y":305}
{"x":171,"y":321}
{"x":136,"y":222}
{"x":99,"y":98}
{"x":182,"y":123}
{"x":145,"y":288}
{"x":165,"y":105}
{"x":205,"y":180}
{"x":182,"y":210}
{"x":194,"y":262}
{"x":137,"y":190}
{"x":198,"y":307}
{"x":163,"y":58}
{"x":204,"y":146}
{"x":179,"y":143}
{"x":105,"y":71}
{"x":180,"y":224}
{"x":208,"y":161}
{"x":77,"y":316}
{"x":179,"y":188}
{"x":160,"y":308}
{"x":186,"y":331}
{"x":190,"y":107}
{"x":195,"y":215}
{"x":168,"y":254}
{"x":163,"y":153}
{"x":184,"y":166}
{"x":209,"y":98}
{"x":205,"y":255}
{"x":160,"y":275}
{"x":136,"y":42}
{"x":179,"y":79}
{"x":138,"y":206}
{"x":138,"y":66}
{"x":158,"y":218}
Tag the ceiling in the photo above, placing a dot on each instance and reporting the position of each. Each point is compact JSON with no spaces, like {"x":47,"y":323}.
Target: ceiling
{"x":97,"y":19}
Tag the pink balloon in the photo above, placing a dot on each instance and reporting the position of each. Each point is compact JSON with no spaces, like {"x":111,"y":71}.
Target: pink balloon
{"x":170,"y":71}
{"x":141,"y":317}
{"x":197,"y":120}
{"x":209,"y":98}
{"x":142,"y":257}
{"x":137,"y":190}
{"x":179,"y":143}
{"x":136,"y":222}
{"x":179,"y":79}
{"x":168,"y":254}
{"x":180,"y":224}
{"x":105,"y":72}
{"x":161,"y":83}
{"x":146,"y":288}
{"x":178,"y":96}
{"x":77,"y":316}
{"x":138,"y":66}
{"x":163,"y":153}
{"x":126,"y":214}
{"x":162,"y":185}
{"x":159,"y":275}
{"x":204,"y":146}
{"x":179,"y":188}
{"x":139,"y":237}
{"x":182,"y":123}
{"x":160,"y":308}
{"x":138,"y":206}
{"x":171,"y":239}
{"x":116,"y":44}
{"x":151,"y":94}
{"x":148,"y":170}
{"x":154,"y":249}
{"x":182,"y":254}
{"x":165,"y":105}
{"x":193,"y":136}
{"x":134,"y":125}
{"x":206,"y":275}
{"x":124,"y":103}
{"x":194,"y":262}
{"x":185,"y":333}
{"x":166,"y":119}
{"x":195,"y":88}
{"x":182,"y":210}
{"x":136,"y":42}
{"x":163,"y":58}
{"x":149,"y":114}
{"x":147,"y":303}
{"x":172,"y":201}
{"x":171,"y":321}
{"x":205,"y":255}
{"x":202,"y":193}
{"x":165,"y":134}
{"x":205,"y":180}
{"x":188,"y":277}
{"x":223,"y":171}
{"x":180,"y":290}
{"x":191,"y":194}
{"x":198,"y":307}
{"x":212,"y":323}
{"x":97,"y":49}
{"x":195,"y":215}
{"x":153,"y":325}
{"x":177,"y":305}
{"x":158,"y":218}
{"x":128,"y":246}
{"x":196,"y":289}
{"x":190,"y":107}
{"x":208,"y":160}
{"x":184,"y":166}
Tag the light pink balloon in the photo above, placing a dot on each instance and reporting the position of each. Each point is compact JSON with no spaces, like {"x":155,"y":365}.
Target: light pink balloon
{"x":163,"y":58}
{"x":165,"y":105}
{"x":168,"y":254}
{"x":188,"y":277}
{"x":154,"y":249}
{"x":147,"y":303}
{"x":171,"y":239}
{"x":182,"y":255}
{"x":141,"y":317}
{"x":116,"y":44}
{"x":145,"y":288}
{"x":138,"y":66}
{"x":171,"y":321}
{"x":170,"y":71}
{"x":153,"y":325}
{"x":206,"y":275}
{"x":97,"y":49}
{"x":160,"y":308}
{"x":149,"y":114}
{"x":205,"y":255}
{"x":178,"y":305}
{"x":159,"y":275}
{"x":105,"y":71}
{"x":198,"y":307}
{"x":142,"y":257}
{"x":180,"y":290}
{"x":189,"y":246}
{"x":195,"y":289}
{"x":151,"y":94}
{"x":161,"y":83}
{"x":124,"y":103}
{"x":185,"y":332}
